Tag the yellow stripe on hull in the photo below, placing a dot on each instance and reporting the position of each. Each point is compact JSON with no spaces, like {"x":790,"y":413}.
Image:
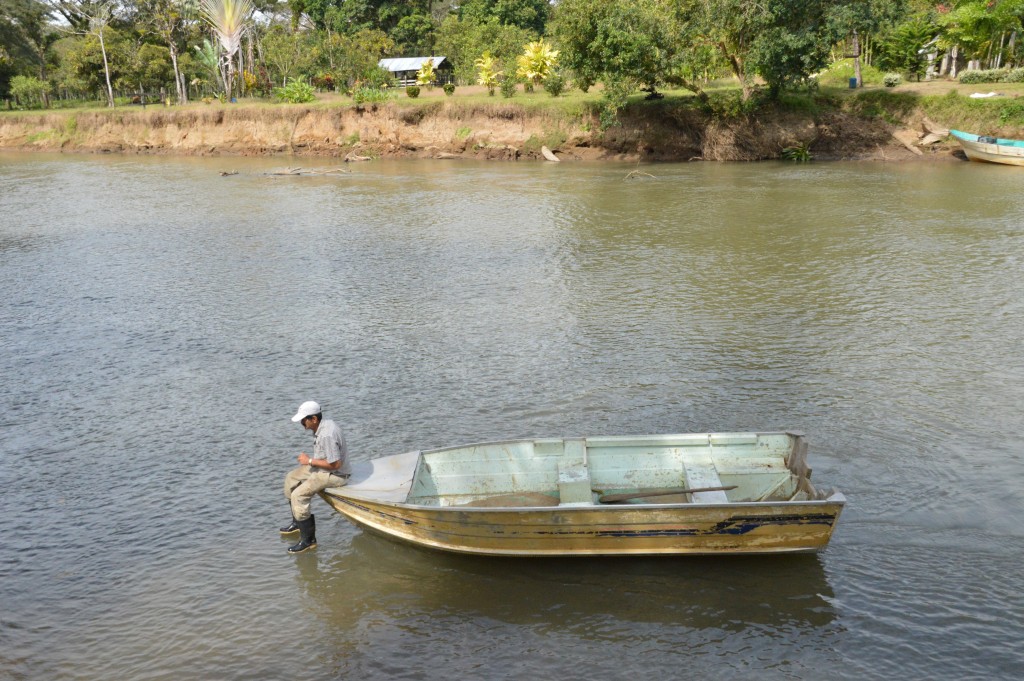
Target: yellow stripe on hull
{"x":639,"y":530}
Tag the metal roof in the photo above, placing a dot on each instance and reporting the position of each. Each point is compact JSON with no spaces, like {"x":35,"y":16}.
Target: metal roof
{"x":407,"y":63}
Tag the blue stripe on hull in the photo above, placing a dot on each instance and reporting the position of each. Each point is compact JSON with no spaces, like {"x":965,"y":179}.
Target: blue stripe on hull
{"x":733,"y":526}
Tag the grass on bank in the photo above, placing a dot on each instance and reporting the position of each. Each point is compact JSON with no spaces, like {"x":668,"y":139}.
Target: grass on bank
{"x":947,"y":103}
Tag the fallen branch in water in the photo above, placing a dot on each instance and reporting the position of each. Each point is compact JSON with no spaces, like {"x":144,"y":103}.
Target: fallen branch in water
{"x":311,"y":171}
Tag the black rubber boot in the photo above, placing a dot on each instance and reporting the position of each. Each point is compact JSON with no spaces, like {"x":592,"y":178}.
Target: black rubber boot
{"x":291,"y":527}
{"x":307,"y":538}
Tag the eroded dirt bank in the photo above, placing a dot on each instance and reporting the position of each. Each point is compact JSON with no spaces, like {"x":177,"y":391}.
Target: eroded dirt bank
{"x":504,"y":131}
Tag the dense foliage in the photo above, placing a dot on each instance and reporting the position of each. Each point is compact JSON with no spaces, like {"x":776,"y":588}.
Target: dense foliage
{"x":60,"y":51}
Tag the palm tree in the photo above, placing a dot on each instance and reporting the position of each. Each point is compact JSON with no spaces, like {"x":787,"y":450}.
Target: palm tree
{"x":229,"y":20}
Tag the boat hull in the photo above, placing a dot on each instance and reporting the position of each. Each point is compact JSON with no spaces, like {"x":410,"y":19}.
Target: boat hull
{"x":746,"y":528}
{"x":1006,"y":152}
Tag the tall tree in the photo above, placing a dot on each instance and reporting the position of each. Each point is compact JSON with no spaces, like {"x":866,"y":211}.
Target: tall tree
{"x":464,"y":41}
{"x":26,"y":32}
{"x":97,"y":24}
{"x":860,"y":18}
{"x":900,"y":48}
{"x":168,"y":19}
{"x":79,"y":14}
{"x":985,"y":30}
{"x":782,"y":41}
{"x":616,"y":40}
{"x":529,"y":14}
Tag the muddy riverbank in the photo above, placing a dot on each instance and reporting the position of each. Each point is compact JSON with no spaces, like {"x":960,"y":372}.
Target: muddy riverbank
{"x":453,"y":129}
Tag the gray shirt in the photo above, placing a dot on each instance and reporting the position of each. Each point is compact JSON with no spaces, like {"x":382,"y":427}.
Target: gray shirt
{"x":330,"y":446}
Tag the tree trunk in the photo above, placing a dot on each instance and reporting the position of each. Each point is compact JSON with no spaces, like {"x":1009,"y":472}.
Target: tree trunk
{"x":179,"y":78}
{"x":954,"y":57}
{"x":856,"y":59}
{"x":106,"y":70}
{"x":736,"y":64}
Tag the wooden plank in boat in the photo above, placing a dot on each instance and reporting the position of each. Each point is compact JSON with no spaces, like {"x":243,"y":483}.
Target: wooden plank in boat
{"x":524,"y":499}
{"x":701,"y":472}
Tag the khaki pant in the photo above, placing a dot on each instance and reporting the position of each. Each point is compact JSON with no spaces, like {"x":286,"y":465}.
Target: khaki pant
{"x":302,"y":483}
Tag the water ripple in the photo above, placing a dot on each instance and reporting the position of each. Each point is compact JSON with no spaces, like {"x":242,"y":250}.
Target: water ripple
{"x":160,"y":323}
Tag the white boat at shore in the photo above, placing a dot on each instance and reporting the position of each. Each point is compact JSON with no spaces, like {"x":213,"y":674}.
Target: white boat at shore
{"x":991,"y":149}
{"x":708,"y":493}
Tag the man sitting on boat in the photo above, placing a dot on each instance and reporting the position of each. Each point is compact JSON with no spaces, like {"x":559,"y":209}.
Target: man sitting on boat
{"x":327,"y":467}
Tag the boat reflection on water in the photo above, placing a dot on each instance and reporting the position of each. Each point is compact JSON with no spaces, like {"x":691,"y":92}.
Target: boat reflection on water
{"x":382,"y":579}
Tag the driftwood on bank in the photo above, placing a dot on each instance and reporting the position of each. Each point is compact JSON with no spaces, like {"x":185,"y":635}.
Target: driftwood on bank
{"x":907,"y":138}
{"x":929,"y":134}
{"x":549,"y":155}
{"x":932,"y":133}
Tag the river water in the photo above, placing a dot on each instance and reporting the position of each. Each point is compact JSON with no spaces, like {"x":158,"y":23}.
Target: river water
{"x":161,"y":322}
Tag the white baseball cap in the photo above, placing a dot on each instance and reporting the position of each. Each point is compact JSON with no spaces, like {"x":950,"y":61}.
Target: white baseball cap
{"x":309,"y":408}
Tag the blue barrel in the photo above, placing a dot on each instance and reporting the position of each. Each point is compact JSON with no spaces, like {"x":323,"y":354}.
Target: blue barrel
{"x":853,"y":83}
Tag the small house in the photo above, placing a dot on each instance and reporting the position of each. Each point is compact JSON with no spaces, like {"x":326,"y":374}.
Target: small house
{"x":404,"y":69}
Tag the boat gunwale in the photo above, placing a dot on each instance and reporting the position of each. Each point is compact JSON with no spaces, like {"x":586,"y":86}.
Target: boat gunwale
{"x":662,"y":439}
{"x":834,"y":498}
{"x":611,"y":439}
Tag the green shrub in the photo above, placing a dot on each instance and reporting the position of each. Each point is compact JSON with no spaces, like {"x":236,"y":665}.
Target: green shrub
{"x":449,"y":89}
{"x":325,"y":80}
{"x":728,"y":104}
{"x":413,"y":91}
{"x":892,"y":79}
{"x":379,"y":79}
{"x":992,"y":76}
{"x":370,"y":95}
{"x":614,"y":99}
{"x":798,"y":153}
{"x":508,"y":86}
{"x":295,"y":92}
{"x":1015,"y":76}
{"x":554,"y":84}
{"x":29,"y":90}
{"x":1011,"y":112}
{"x":839,"y":74}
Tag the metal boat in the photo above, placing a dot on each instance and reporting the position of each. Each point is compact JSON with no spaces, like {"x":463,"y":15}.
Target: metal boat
{"x":706,"y":493}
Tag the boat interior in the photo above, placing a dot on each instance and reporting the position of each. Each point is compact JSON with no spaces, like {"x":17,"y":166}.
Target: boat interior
{"x":716,"y":468}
